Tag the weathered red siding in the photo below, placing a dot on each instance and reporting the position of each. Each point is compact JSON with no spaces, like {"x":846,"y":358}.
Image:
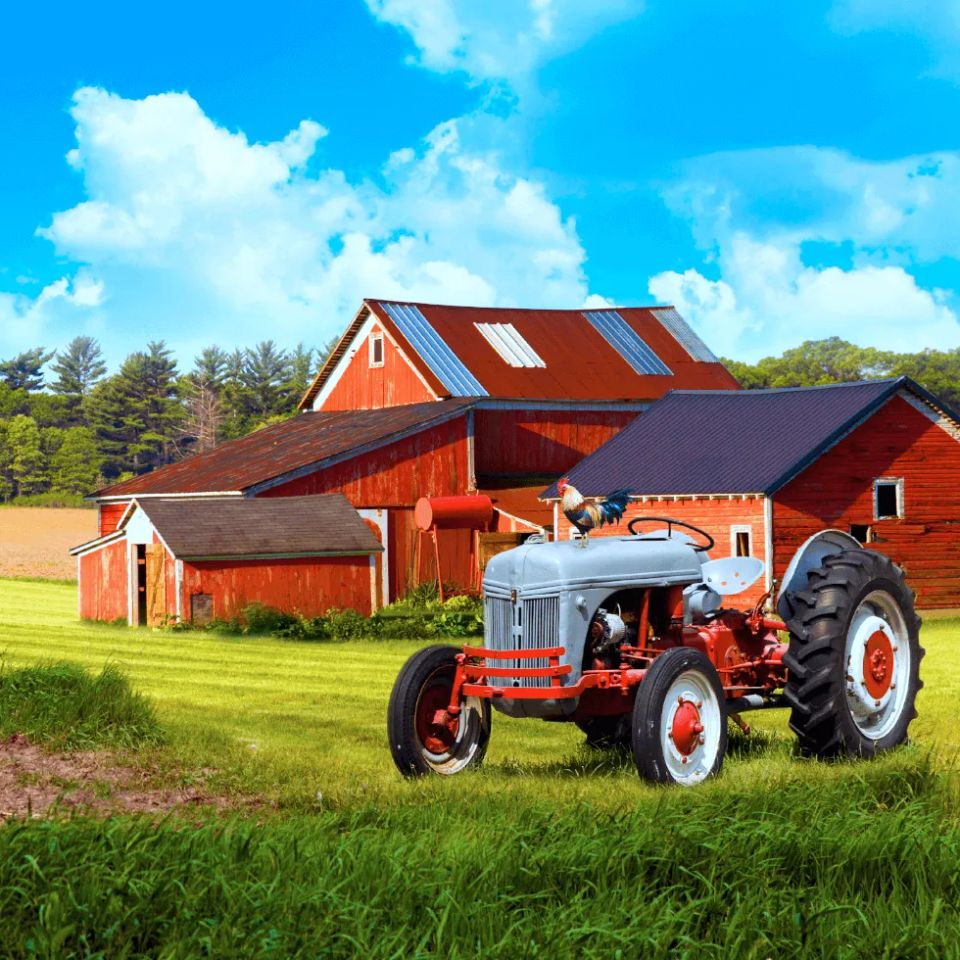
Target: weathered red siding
{"x":513,"y":442}
{"x":428,"y":464}
{"x":837,"y":490}
{"x":714,"y":516}
{"x":431,"y":463}
{"x":103,"y":582}
{"x":309,"y":586}
{"x":362,"y":387}
{"x":109,"y":516}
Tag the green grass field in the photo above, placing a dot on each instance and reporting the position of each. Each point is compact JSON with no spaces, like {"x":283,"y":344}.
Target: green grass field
{"x":551,"y":849}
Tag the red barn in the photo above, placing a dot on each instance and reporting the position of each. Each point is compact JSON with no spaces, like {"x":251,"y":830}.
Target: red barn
{"x":763,"y":470}
{"x":422,"y":400}
{"x":172,"y":559}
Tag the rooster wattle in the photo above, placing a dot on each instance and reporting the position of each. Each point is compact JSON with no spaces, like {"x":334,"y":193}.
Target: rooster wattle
{"x":587,"y":516}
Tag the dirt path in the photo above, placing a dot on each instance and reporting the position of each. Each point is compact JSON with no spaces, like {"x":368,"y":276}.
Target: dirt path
{"x":34,"y":783}
{"x":34,"y":541}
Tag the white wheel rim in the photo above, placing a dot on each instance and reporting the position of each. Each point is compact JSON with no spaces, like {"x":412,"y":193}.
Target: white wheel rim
{"x":877,"y":688}
{"x":690,"y":759}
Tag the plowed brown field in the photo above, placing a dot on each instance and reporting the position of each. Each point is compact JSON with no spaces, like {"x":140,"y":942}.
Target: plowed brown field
{"x":34,"y":540}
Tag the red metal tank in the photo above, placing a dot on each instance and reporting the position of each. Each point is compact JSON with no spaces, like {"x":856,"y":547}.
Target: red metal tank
{"x":461,"y":513}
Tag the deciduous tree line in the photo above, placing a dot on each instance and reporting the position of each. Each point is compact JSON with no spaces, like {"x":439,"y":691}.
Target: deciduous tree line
{"x":67,"y":427}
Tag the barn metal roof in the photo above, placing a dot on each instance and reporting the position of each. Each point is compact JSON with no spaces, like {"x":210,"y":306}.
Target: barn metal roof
{"x":582,"y":360}
{"x":235,"y":527}
{"x":732,"y":442}
{"x":306,"y":440}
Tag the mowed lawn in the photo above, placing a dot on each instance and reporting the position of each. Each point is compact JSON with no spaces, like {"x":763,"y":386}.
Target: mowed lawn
{"x":293,"y":720}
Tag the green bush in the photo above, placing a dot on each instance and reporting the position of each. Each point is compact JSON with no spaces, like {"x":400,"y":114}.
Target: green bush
{"x":64,"y":705}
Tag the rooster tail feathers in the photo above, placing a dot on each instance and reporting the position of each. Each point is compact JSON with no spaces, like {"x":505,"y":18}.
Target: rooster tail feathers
{"x":613,"y":506}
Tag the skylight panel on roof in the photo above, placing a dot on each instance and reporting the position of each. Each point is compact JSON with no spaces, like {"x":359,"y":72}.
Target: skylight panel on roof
{"x":435,"y":352}
{"x":684,"y":335}
{"x":507,"y":341}
{"x":627,"y":342}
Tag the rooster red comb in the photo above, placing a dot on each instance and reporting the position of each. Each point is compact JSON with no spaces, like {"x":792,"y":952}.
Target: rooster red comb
{"x":562,"y":483}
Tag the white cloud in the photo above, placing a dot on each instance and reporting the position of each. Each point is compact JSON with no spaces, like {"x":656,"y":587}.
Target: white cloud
{"x":499,"y":39}
{"x":754,"y":213}
{"x":192,"y":233}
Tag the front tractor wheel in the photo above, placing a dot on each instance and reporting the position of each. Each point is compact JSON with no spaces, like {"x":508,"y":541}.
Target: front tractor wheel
{"x":854,"y":657}
{"x":424,"y":738}
{"x":679,"y":732}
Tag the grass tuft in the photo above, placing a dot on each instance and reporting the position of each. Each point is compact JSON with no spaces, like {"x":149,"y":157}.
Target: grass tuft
{"x":65,"y":706}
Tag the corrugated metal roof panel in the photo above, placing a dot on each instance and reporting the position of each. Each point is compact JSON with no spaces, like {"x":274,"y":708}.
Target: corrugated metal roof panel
{"x":716,"y":442}
{"x":270,"y":526}
{"x":284,"y":447}
{"x":445,"y":364}
{"x":685,"y":335}
{"x":627,"y":342}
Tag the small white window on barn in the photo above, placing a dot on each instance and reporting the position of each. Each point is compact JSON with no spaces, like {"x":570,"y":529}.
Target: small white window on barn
{"x":741,"y":540}
{"x":376,"y":349}
{"x":507,"y":341}
{"x":887,"y":498}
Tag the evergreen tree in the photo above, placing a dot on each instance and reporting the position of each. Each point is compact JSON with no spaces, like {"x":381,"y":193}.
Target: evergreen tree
{"x":212,"y":366}
{"x":6,"y":474}
{"x":25,"y":371}
{"x":135,"y":413}
{"x":265,"y":371}
{"x":27,"y":461}
{"x":74,"y":467}
{"x":78,"y":367}
{"x":300,"y":376}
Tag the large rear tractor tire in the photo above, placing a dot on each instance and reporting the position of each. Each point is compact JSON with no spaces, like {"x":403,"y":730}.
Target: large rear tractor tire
{"x":854,"y":657}
{"x":679,"y":731}
{"x":418,"y":743}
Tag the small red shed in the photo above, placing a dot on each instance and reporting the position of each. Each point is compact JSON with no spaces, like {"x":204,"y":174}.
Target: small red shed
{"x":171,"y":559}
{"x":762,"y":470}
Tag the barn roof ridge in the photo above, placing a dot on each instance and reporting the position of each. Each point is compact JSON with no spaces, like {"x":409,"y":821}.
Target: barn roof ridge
{"x":580,"y":362}
{"x":787,"y":436}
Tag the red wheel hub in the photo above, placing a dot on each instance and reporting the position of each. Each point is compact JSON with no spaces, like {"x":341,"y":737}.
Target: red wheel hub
{"x":686,"y":728}
{"x":878,"y":664}
{"x":435,"y":728}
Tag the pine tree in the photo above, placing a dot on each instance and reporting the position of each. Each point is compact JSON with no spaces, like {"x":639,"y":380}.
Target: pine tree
{"x":78,"y":367}
{"x":135,"y":413}
{"x":25,"y":371}
{"x":213,"y":366}
{"x":74,"y":467}
{"x":265,"y":371}
{"x":300,"y":376}
{"x":27,"y":461}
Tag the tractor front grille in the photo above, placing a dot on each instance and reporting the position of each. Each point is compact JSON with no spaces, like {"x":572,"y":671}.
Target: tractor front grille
{"x":521,"y":626}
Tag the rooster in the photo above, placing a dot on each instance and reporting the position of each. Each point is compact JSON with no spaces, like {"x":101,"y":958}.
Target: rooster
{"x":586,"y":516}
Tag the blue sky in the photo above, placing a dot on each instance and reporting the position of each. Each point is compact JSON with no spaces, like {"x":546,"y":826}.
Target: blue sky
{"x":221,"y":174}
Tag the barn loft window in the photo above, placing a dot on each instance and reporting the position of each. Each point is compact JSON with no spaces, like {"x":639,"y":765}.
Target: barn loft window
{"x":887,"y":499}
{"x":376,"y":349}
{"x":862,"y":532}
{"x":507,"y":341}
{"x":741,"y":540}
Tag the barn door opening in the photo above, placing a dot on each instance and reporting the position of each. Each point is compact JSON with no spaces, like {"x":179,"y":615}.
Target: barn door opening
{"x":156,"y":592}
{"x":141,"y":584}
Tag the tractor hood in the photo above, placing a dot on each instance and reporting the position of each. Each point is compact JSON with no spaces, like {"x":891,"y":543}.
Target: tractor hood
{"x":615,"y":562}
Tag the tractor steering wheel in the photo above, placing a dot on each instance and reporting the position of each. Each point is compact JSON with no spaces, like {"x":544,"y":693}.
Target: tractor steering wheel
{"x":672,"y":522}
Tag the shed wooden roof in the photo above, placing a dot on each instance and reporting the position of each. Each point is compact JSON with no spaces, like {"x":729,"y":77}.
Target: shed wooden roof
{"x":237,"y":528}
{"x":734,"y":442}
{"x":450,"y":350}
{"x":240,"y":466}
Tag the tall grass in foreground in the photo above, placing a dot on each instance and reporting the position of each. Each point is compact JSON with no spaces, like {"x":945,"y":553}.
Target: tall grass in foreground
{"x":64,"y":705}
{"x":867,"y":865}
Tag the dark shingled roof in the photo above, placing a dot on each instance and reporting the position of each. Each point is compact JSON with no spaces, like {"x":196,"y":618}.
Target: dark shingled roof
{"x":280,"y":449}
{"x":748,"y":441}
{"x":235,"y":527}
